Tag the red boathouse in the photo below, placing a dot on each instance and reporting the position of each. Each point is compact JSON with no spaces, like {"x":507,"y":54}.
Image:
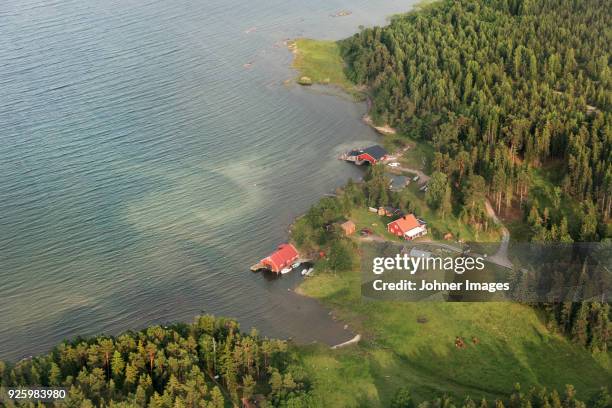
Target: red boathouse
{"x":370,"y":155}
{"x":284,"y":256}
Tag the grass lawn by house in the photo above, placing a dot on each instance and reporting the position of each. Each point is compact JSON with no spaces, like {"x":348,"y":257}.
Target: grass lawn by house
{"x":437,"y":225}
{"x":376,"y":223}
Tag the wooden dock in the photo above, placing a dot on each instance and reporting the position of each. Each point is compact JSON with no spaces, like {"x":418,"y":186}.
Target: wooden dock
{"x":257,"y":267}
{"x":260,"y":265}
{"x":346,"y":157}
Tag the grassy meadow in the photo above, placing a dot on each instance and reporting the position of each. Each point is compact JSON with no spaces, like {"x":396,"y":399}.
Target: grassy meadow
{"x":321,"y":62}
{"x":514,"y":345}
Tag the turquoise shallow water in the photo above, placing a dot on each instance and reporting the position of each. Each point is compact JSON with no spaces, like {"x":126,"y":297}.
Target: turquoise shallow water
{"x":144,"y":167}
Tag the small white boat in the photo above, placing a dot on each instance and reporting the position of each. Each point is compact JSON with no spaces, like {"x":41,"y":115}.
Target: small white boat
{"x":295,"y":265}
{"x":308,"y":271}
{"x":285,"y":271}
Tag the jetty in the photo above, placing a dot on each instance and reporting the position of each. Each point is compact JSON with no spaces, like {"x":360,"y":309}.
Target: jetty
{"x":258,"y":267}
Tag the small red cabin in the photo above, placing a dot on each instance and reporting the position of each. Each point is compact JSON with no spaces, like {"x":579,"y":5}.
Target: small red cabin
{"x":284,"y":256}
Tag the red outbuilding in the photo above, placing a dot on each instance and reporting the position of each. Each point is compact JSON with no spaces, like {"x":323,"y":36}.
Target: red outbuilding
{"x":284,"y":256}
{"x":408,"y":227}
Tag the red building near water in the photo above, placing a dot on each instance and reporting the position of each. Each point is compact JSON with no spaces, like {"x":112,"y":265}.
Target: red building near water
{"x":370,"y":155}
{"x":284,"y":256}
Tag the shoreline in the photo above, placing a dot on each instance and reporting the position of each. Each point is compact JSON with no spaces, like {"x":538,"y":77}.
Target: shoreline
{"x":384,"y":130}
{"x":444,"y":350}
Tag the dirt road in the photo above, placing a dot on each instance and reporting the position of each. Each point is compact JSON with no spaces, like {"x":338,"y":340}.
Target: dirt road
{"x":501,"y":256}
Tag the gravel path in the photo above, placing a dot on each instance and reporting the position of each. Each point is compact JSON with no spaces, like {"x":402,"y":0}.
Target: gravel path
{"x":501,"y":256}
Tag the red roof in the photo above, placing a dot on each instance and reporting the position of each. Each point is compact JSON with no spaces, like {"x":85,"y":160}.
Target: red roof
{"x":406,"y":223}
{"x":282,"y":258}
{"x":367,"y":157}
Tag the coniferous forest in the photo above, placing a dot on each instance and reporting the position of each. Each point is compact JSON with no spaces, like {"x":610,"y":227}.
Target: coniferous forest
{"x":207,"y":364}
{"x":499,"y":88}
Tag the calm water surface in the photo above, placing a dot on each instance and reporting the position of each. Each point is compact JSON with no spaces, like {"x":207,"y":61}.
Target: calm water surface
{"x":144,"y":167}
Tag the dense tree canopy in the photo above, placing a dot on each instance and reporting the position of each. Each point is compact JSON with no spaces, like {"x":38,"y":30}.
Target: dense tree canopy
{"x":207,"y":364}
{"x":500,"y":87}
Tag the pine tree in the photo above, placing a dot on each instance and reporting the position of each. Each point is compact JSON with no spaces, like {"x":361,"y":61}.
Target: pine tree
{"x":248,"y":386}
{"x":216,"y":399}
{"x":55,"y":375}
{"x":117,"y":364}
{"x":579,"y":328}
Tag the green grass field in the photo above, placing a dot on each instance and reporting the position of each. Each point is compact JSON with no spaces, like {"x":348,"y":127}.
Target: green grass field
{"x":514,"y":346}
{"x":322,"y":63}
{"x":378,"y":224}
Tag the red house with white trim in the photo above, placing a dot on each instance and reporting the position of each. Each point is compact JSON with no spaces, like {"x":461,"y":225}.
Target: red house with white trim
{"x":284,"y":256}
{"x":407,"y":227}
